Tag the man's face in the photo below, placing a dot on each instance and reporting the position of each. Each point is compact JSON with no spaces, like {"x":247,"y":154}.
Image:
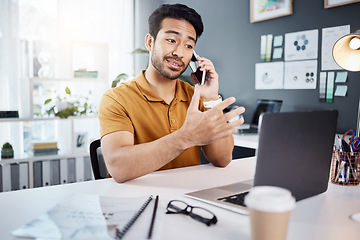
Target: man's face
{"x":173,"y":47}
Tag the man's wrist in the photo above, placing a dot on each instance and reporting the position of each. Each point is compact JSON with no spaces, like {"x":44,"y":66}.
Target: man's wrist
{"x":212,"y":99}
{"x":212,"y":103}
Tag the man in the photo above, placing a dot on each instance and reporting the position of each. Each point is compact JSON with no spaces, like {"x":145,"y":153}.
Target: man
{"x":153,"y":122}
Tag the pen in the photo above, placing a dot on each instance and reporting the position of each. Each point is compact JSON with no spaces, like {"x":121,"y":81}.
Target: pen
{"x":153,"y":217}
{"x":339,"y":143}
{"x":336,"y":168}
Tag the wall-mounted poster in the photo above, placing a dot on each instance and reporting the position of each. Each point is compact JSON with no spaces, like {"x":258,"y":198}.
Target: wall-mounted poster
{"x":300,"y":75}
{"x":261,"y":10}
{"x":329,"y":37}
{"x":269,"y":75}
{"x":336,"y":3}
{"x":301,"y":45}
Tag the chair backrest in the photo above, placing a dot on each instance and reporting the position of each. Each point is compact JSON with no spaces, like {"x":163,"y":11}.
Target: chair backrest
{"x":97,"y":160}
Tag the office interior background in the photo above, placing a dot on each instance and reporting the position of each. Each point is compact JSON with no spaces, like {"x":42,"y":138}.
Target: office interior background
{"x":99,"y":36}
{"x":233,"y":44}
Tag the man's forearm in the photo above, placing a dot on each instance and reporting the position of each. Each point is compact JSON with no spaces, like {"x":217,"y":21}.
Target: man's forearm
{"x":210,"y":129}
{"x":129,"y":162}
{"x":219,"y":152}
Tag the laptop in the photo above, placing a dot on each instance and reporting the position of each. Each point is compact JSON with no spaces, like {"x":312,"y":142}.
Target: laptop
{"x":262,"y":106}
{"x":294,"y":152}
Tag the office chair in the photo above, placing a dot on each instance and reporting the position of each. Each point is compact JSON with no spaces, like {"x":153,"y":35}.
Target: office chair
{"x":97,"y":160}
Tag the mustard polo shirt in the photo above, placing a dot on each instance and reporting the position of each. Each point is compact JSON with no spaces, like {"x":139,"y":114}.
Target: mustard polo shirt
{"x":133,"y":106}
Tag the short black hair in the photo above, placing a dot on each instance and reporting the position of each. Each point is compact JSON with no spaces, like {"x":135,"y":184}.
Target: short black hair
{"x":176,"y":11}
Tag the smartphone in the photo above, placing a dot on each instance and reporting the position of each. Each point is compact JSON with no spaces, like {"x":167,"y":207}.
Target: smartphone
{"x":200,"y":75}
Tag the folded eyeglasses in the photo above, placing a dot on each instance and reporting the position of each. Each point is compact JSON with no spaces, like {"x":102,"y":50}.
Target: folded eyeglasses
{"x":198,"y":213}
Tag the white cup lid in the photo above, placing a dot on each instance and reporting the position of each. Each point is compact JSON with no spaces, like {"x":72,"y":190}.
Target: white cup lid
{"x":270,"y":199}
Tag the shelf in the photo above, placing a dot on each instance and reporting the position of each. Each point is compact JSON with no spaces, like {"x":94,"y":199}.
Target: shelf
{"x":31,"y":158}
{"x":36,"y":79}
{"x":44,"y":118}
{"x":21,"y":132}
{"x":73,"y":134}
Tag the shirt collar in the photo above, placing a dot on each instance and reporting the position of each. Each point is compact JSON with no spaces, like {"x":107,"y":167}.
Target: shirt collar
{"x":150,"y":95}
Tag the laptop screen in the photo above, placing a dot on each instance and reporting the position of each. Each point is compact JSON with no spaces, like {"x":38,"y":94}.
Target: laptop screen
{"x":295,"y":150}
{"x":263,"y":106}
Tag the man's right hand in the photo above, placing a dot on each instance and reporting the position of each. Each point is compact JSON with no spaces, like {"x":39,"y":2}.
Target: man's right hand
{"x":202,"y":128}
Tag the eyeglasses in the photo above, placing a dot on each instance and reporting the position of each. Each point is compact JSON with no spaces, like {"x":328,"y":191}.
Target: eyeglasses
{"x":198,"y":213}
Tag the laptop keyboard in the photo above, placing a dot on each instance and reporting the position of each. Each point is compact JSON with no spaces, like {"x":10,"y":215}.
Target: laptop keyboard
{"x":237,"y":199}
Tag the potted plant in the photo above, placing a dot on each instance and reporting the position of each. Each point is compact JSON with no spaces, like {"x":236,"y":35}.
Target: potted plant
{"x":68,"y":105}
{"x":7,"y":151}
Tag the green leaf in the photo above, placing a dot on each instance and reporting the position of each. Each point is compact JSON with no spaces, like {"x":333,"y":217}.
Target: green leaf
{"x":77,"y":105}
{"x":140,"y":50}
{"x":7,"y":145}
{"x":114,"y":83}
{"x":121,"y":76}
{"x":67,"y":90}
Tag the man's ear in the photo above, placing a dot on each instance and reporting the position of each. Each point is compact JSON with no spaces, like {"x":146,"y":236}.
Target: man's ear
{"x":149,"y":42}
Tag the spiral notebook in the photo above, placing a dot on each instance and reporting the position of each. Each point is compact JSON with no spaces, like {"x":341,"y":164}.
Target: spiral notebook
{"x":121,"y":233}
{"x":85,"y":216}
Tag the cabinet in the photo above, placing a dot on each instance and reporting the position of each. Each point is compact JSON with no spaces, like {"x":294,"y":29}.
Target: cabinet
{"x":83,"y":68}
{"x":70,"y":164}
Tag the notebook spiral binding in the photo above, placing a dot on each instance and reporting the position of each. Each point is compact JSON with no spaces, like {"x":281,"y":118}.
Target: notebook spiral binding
{"x":121,"y":233}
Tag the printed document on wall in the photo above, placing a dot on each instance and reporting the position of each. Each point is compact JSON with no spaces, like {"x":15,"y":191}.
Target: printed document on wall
{"x":329,"y":37}
{"x":269,"y":75}
{"x":301,"y":45}
{"x":300,"y":75}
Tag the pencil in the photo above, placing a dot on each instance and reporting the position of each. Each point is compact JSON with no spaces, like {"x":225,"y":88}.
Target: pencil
{"x":153,"y":217}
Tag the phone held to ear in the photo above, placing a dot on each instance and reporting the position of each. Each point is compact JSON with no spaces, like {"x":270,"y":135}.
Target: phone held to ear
{"x":200,"y":75}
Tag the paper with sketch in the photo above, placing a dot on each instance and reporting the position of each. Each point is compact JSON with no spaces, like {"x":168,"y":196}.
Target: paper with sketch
{"x":301,"y":45}
{"x":83,"y":216}
{"x":329,"y":37}
{"x":300,"y":75}
{"x":269,"y":75}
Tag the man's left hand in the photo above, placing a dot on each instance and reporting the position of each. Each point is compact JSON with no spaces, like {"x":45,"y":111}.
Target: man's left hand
{"x":208,"y":91}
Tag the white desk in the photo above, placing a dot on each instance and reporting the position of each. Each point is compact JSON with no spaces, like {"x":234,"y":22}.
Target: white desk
{"x":246,"y":140}
{"x":321,"y":217}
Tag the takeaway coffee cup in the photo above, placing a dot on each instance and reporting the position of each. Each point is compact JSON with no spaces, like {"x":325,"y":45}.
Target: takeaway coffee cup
{"x":269,"y":209}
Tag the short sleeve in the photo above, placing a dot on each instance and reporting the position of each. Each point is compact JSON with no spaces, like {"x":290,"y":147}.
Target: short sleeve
{"x":113,"y":116}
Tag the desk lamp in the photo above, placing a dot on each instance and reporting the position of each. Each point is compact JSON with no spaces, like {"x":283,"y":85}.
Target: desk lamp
{"x":346,"y":53}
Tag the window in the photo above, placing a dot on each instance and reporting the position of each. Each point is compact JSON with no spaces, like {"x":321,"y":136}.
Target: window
{"x":54,"y":29}
{"x":54,"y":38}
